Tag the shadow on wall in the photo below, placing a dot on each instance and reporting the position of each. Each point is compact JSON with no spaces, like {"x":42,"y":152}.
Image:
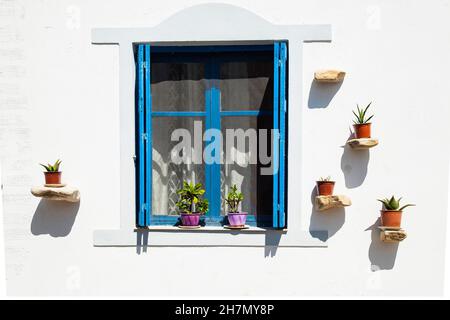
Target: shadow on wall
{"x":141,"y":241}
{"x":381,"y":255}
{"x":332,"y":220}
{"x":271,"y":243}
{"x":54,"y":218}
{"x":321,"y":94}
{"x":354,"y":166}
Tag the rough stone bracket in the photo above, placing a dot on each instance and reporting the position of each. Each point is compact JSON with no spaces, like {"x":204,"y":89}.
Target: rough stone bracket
{"x":332,"y":76}
{"x":328,"y":202}
{"x":362,"y":144}
{"x":392,"y":234}
{"x":67,"y":193}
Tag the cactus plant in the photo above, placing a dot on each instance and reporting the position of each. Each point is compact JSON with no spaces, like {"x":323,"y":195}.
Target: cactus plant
{"x":361,"y":124}
{"x":360,"y":115}
{"x":393,"y":204}
{"x":52,"y":168}
{"x":391,"y":215}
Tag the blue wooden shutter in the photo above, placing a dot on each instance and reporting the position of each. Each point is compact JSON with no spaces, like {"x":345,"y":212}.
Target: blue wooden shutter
{"x":144,"y":136}
{"x":275,"y":149}
{"x":148,"y":140}
{"x":279,"y":139}
{"x":283,"y":108}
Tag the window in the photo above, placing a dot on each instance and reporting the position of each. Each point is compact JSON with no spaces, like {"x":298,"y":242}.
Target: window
{"x":191,"y":99}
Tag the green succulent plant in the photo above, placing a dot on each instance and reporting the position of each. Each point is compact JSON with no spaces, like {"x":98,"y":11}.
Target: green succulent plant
{"x":393,"y":204}
{"x":52,"y":168}
{"x":191,"y":198}
{"x":360,"y":115}
{"x":328,"y":178}
{"x":234,"y":198}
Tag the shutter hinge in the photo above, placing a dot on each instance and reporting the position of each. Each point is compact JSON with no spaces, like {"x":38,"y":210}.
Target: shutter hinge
{"x":144,"y":207}
{"x":285,"y":105}
{"x":144,"y":136}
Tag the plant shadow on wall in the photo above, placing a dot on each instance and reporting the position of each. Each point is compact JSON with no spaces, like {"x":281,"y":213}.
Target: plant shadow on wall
{"x":332,"y":220}
{"x":321,"y":94}
{"x":54,"y":218}
{"x":354,"y":165}
{"x":381,"y":255}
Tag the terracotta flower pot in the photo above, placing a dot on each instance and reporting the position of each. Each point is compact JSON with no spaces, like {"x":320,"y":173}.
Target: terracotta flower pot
{"x":190,"y":219}
{"x":53,"y":177}
{"x":362,"y":130}
{"x":391,"y":218}
{"x":237,"y":219}
{"x":325,"y":188}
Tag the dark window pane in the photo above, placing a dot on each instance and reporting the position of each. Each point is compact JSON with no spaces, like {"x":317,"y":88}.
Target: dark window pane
{"x":246,"y":85}
{"x":256,"y":187}
{"x":167,"y":176}
{"x":178,"y":86}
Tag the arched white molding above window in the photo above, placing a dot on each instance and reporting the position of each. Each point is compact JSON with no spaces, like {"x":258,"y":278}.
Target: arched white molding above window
{"x":213,"y":22}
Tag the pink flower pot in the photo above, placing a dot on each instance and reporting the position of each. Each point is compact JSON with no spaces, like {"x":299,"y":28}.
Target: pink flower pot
{"x":190,"y":219}
{"x":237,"y":219}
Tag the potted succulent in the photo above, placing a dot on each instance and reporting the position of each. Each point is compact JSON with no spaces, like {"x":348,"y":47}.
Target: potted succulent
{"x":236,"y":218}
{"x":391,"y":214}
{"x":325,"y":186}
{"x":52,"y":173}
{"x":361,"y":123}
{"x":191,"y":204}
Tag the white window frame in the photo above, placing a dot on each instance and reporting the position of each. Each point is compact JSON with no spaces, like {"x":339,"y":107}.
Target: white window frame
{"x":253,"y":28}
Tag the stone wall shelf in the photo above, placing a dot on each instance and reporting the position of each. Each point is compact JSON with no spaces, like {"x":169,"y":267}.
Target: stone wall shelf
{"x":66,"y":193}
{"x":330,"y":76}
{"x":328,"y":202}
{"x":362,"y":144}
{"x":389,"y":234}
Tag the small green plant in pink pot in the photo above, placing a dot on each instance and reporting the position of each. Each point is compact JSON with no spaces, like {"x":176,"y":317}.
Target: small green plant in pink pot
{"x":236,"y":218}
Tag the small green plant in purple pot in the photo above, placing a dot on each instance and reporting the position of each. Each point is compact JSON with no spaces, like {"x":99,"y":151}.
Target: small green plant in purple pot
{"x":236,"y":218}
{"x":191,"y":204}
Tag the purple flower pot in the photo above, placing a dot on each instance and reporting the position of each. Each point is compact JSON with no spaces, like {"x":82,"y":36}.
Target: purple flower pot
{"x":237,"y":219}
{"x":190,"y":219}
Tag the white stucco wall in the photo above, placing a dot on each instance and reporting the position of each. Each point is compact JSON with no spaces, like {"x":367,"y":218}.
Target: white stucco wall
{"x":59,"y":97}
{"x":2,"y":246}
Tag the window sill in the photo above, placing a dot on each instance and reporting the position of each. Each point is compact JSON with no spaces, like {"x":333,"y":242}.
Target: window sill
{"x":169,"y":236}
{"x":250,"y":229}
